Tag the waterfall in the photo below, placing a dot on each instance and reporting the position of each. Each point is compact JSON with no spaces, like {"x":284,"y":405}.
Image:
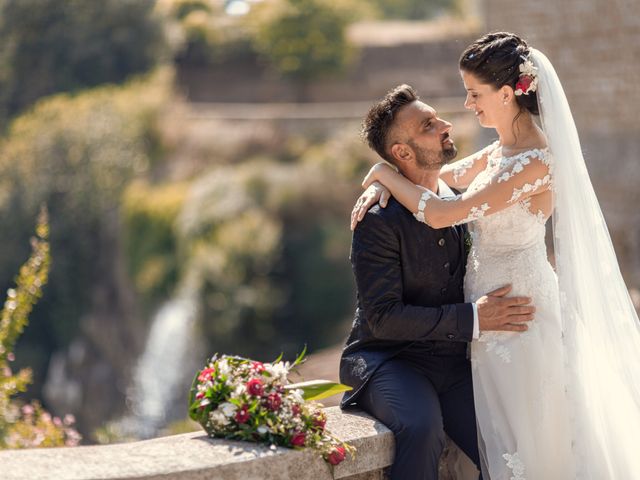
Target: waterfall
{"x":163,"y":371}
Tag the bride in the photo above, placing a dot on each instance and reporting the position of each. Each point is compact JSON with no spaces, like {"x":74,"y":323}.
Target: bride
{"x":562,"y":400}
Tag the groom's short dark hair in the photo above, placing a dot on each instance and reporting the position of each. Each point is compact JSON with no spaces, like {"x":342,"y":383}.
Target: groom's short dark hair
{"x":379,"y":120}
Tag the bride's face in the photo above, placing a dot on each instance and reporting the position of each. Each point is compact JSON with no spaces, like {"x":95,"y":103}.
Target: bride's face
{"x":486,"y":101}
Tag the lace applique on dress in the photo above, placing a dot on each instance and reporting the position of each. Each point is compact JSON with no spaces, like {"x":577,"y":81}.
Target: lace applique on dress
{"x":518,"y":166}
{"x":474,"y":214}
{"x":519,"y":162}
{"x":516,"y":466}
{"x":462,"y":167}
{"x":540,"y":216}
{"x":460,"y":170}
{"x":529,"y":187}
{"x":492,"y":340}
{"x":424,"y":198}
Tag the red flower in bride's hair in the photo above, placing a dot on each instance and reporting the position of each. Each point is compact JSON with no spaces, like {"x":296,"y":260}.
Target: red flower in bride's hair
{"x":524,"y":82}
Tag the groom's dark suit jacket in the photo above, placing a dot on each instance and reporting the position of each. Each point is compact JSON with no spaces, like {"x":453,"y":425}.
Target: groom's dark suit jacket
{"x":409,"y":280}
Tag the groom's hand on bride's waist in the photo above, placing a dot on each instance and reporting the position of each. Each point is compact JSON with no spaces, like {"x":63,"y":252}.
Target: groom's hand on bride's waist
{"x":498,"y":312}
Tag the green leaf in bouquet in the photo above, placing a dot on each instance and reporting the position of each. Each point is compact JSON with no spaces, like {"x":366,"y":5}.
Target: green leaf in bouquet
{"x":193,"y":403}
{"x":300,"y":357}
{"x":318,"y":389}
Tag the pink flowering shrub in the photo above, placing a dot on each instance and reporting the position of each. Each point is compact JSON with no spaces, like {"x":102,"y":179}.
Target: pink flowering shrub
{"x":240,"y":399}
{"x":27,"y":425}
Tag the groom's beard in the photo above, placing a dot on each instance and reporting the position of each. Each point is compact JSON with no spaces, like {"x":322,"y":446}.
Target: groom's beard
{"x":432,"y":160}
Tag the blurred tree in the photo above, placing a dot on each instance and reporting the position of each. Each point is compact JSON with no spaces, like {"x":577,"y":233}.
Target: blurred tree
{"x":273,"y":275}
{"x":202,"y":33}
{"x":76,"y":154}
{"x":303,"y":39}
{"x":415,"y":9}
{"x":49,"y":46}
{"x":149,"y":214}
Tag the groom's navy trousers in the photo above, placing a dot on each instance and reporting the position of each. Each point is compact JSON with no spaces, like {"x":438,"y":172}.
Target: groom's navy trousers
{"x":406,"y":355}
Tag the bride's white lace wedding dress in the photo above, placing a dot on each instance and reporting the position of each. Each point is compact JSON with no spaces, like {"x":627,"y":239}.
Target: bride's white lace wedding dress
{"x":528,"y":436}
{"x":562,"y":400}
{"x":519,"y":378}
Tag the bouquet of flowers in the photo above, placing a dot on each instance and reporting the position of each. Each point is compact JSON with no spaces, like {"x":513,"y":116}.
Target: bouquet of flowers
{"x":240,"y":399}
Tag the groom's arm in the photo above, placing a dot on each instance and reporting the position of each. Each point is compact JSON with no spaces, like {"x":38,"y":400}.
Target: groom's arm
{"x":375,"y":258}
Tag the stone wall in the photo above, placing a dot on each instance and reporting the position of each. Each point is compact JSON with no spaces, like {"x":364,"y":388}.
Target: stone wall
{"x":194,"y":456}
{"x":594,"y":46}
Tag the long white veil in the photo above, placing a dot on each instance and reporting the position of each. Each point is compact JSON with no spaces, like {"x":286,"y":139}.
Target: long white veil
{"x":601,"y":332}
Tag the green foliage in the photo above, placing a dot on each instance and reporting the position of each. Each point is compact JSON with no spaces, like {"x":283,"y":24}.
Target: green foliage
{"x":24,"y":426}
{"x":204,"y":35}
{"x":76,"y":154}
{"x":303,"y":39}
{"x":182,"y":8}
{"x":271,"y":255}
{"x":32,"y":277}
{"x":414,"y":9}
{"x":318,"y":389}
{"x":49,"y":46}
{"x":149,"y":214}
{"x":235,"y":249}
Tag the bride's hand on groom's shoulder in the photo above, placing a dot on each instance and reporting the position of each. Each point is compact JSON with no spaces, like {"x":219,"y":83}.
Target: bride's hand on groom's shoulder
{"x":375,"y":193}
{"x":497,"y":312}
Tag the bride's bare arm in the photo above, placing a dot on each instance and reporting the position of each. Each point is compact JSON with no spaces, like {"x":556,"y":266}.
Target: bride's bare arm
{"x":517,"y":181}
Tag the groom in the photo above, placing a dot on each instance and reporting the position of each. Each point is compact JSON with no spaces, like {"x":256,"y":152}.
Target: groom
{"x":406,"y":355}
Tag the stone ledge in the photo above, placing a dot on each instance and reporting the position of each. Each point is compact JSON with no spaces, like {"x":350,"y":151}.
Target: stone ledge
{"x":194,"y":456}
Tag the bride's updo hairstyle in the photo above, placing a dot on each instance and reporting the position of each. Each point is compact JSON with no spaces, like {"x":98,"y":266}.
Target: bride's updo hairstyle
{"x":495,"y":59}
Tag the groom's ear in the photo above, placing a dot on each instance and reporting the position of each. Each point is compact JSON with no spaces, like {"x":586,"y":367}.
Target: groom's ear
{"x":401,"y":152}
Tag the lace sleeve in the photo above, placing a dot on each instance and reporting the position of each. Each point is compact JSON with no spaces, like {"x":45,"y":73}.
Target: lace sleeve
{"x":461,"y":173}
{"x":527,"y":175}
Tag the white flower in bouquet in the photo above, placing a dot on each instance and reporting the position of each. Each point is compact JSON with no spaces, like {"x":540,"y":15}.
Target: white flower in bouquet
{"x":218,"y":418}
{"x":297,"y":395}
{"x":228,"y":409}
{"x":223,"y":367}
{"x":279,"y":371}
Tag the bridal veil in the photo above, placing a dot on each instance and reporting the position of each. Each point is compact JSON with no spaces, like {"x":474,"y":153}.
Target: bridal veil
{"x":601,"y":332}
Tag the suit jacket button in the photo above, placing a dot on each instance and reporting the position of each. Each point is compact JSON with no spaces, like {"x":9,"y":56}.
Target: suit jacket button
{"x":450,"y":336}
{"x":441,"y":242}
{"x":446,"y":266}
{"x":443,"y":291}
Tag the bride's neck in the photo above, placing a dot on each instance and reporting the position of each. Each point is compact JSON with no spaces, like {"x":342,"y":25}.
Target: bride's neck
{"x":518,"y":134}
